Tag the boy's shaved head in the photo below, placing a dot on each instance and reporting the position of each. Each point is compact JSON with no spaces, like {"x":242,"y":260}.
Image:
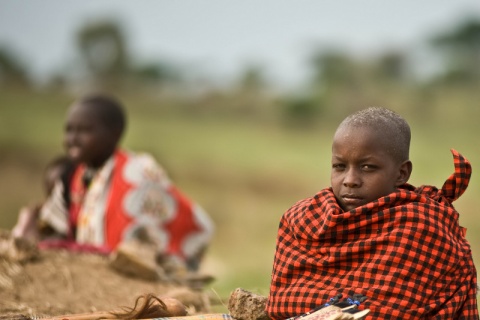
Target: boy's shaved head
{"x":391,"y":125}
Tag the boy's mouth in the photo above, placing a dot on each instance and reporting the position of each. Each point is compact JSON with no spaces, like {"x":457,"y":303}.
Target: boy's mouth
{"x":351,"y":199}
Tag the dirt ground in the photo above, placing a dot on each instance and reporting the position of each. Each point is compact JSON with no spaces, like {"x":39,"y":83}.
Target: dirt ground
{"x":57,"y":282}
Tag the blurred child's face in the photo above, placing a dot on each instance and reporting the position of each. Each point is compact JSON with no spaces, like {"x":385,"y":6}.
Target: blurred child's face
{"x":86,"y":139}
{"x":362,"y":170}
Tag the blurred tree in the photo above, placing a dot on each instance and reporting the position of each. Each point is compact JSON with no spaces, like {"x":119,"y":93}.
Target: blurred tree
{"x":331,"y":68}
{"x":105,"y":53}
{"x":252,"y":78}
{"x":156,"y":73}
{"x":12,"y":72}
{"x":301,"y":111}
{"x":338,"y":82}
{"x":249,"y":93}
{"x":103,"y":49}
{"x":461,"y":48}
{"x":392,"y":66}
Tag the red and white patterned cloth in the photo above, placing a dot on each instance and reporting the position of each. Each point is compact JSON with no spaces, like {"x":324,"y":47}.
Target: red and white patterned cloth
{"x":130,"y":194}
{"x":406,"y":252}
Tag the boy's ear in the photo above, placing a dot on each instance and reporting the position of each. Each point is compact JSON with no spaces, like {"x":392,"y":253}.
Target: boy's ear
{"x":405,"y":171}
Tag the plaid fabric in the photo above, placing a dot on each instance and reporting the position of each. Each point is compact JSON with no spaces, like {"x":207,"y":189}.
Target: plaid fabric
{"x":406,"y":252}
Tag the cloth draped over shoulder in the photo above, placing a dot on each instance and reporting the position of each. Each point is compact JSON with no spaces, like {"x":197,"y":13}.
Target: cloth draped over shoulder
{"x":130,"y":196}
{"x":406,"y":252}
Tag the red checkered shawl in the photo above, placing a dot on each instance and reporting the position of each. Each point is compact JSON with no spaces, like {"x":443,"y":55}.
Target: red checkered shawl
{"x":406,"y":252}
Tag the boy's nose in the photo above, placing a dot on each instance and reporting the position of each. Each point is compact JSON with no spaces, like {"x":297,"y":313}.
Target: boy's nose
{"x":351,"y":179}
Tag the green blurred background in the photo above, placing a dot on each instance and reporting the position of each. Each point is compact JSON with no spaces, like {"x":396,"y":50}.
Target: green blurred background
{"x":248,"y":150}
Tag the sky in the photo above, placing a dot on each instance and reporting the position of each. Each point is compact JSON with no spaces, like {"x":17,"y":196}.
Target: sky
{"x":221,"y":37}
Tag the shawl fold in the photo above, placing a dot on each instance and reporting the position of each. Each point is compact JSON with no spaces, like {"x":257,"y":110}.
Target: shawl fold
{"x":405,"y":251}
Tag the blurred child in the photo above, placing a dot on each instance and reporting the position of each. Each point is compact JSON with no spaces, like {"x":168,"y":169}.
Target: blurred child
{"x":115,"y":195}
{"x":28,"y":225}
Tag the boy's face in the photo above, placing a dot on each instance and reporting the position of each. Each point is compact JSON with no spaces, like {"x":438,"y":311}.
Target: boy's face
{"x":362,"y":170}
{"x":86,"y":139}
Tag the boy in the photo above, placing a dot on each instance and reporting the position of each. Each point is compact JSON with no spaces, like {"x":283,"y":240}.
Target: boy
{"x":373,"y":234}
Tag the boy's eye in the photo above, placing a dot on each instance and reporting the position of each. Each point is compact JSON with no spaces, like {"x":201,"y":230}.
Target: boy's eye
{"x":369,"y":167}
{"x":338,"y":166}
